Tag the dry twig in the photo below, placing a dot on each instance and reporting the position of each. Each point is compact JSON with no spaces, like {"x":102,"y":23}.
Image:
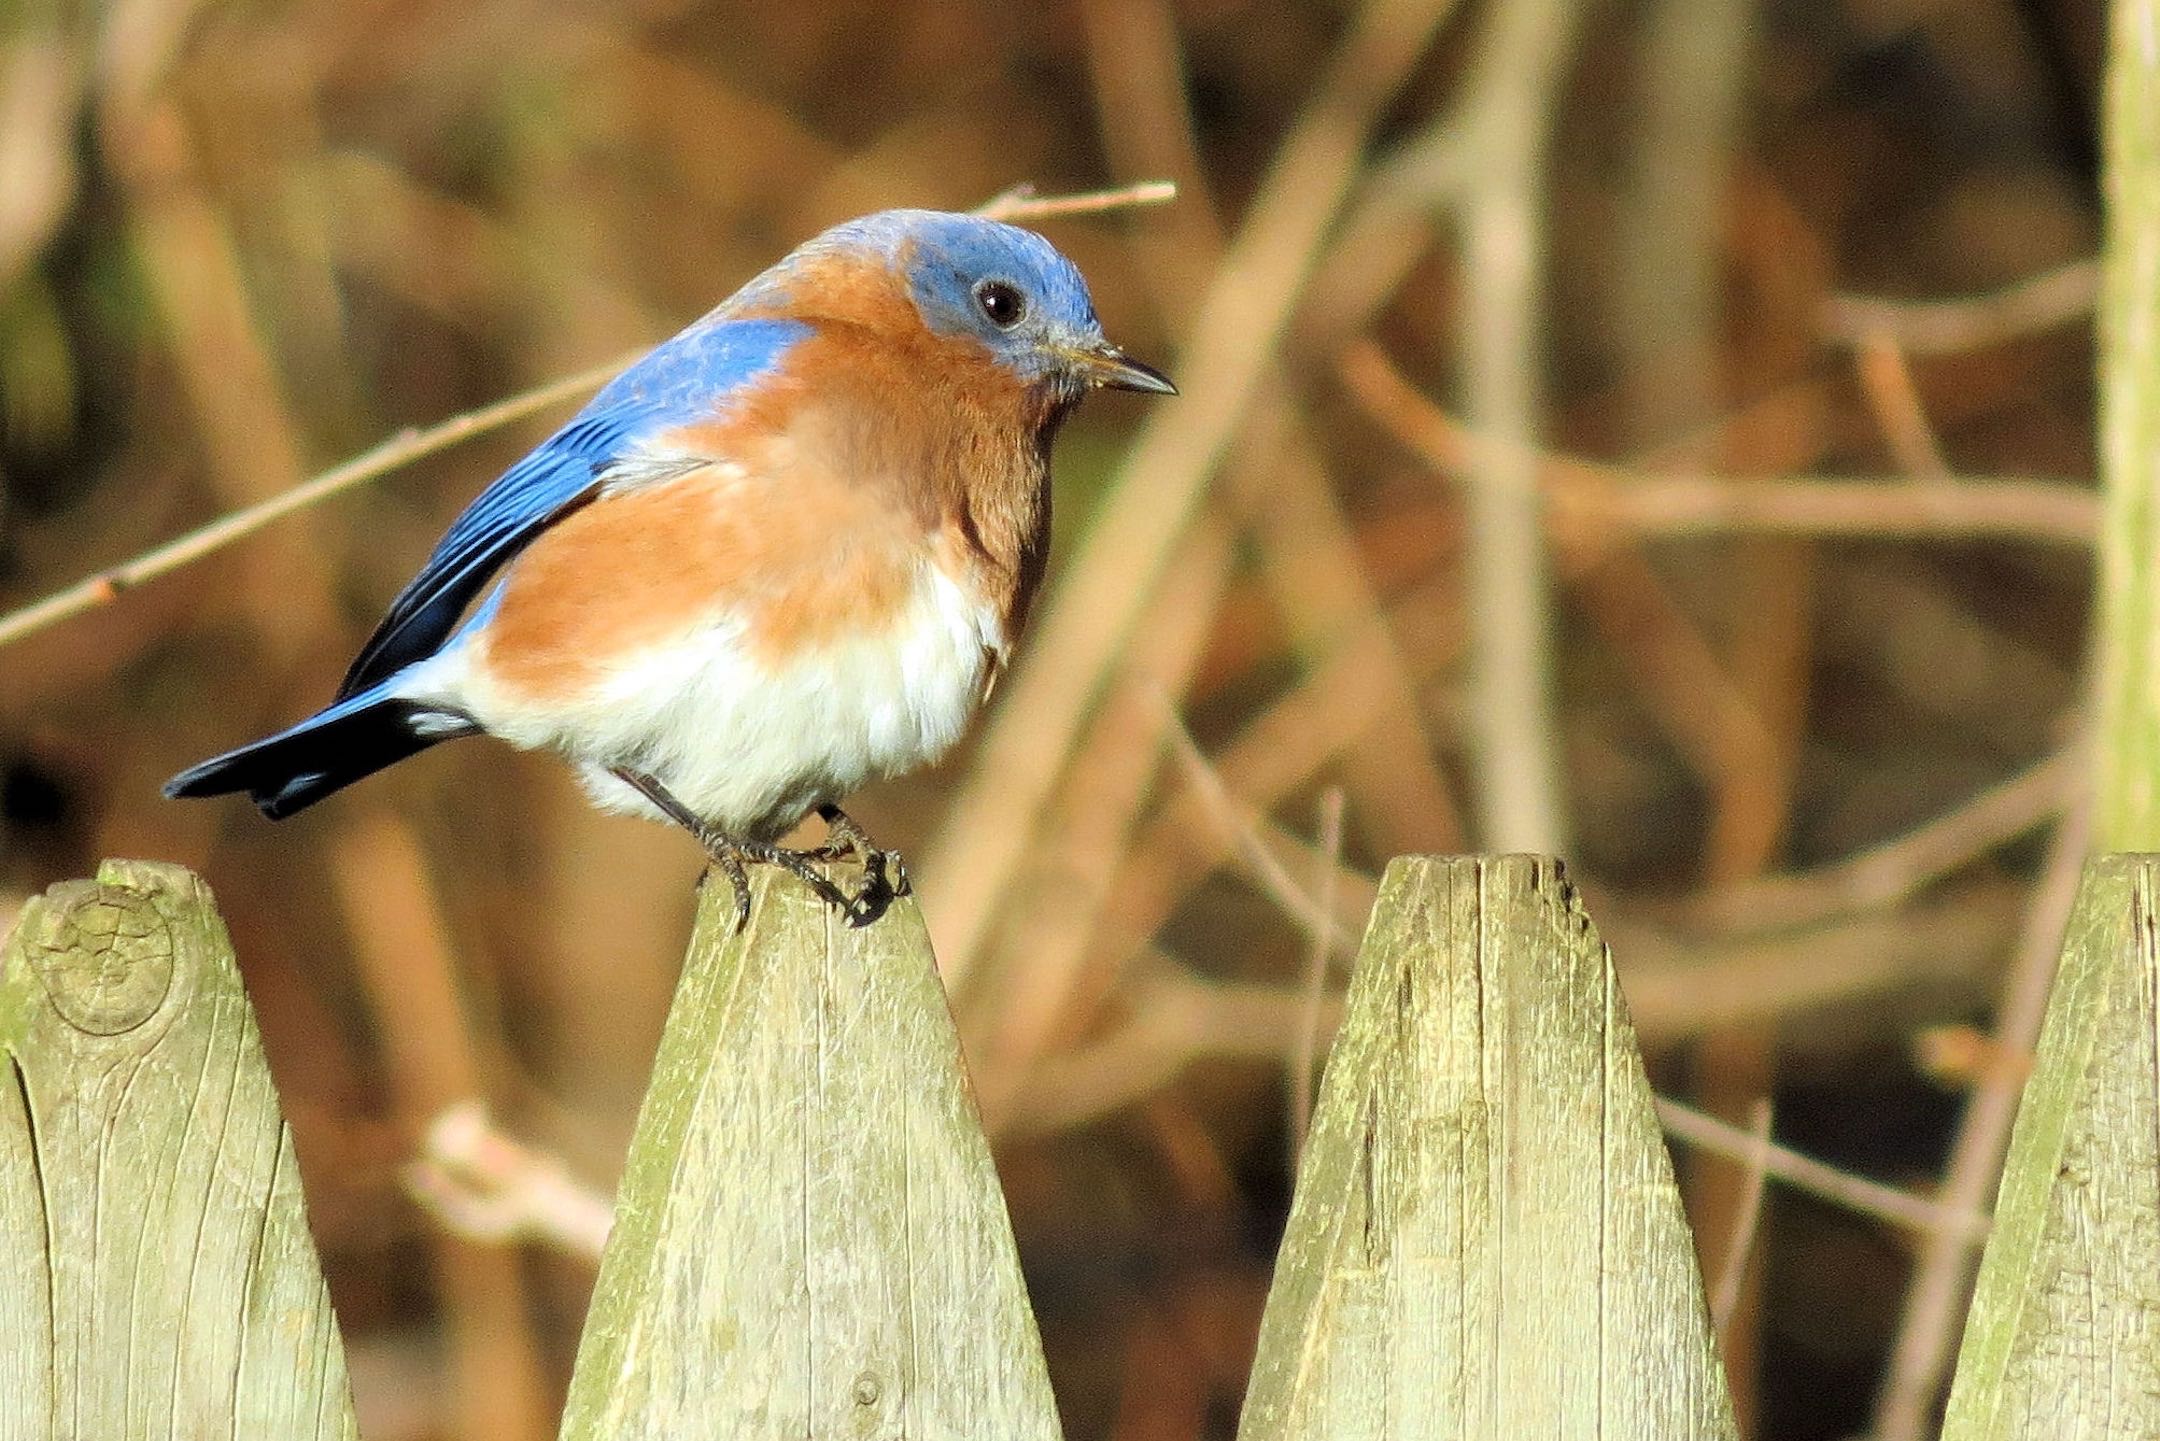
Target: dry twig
{"x":401,"y":450}
{"x":1305,"y":1051}
{"x":1238,"y":828}
{"x":1022,"y":203}
{"x":1893,"y":395}
{"x":1965,"y":1228}
{"x":484,"y":1185}
{"x":1948,"y":327}
{"x":1591,"y":500}
{"x":1513,"y":96}
{"x":1895,"y":869}
{"x":1747,"y":1217}
{"x":1942,"y":1279}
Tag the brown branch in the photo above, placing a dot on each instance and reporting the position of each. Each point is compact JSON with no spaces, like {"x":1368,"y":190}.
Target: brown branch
{"x":1942,"y":1276}
{"x":1895,"y":869}
{"x":1820,"y":1179}
{"x":486,"y":1186}
{"x":1022,"y":203}
{"x":1590,"y":501}
{"x":1948,"y":327}
{"x":1305,"y":1050}
{"x":1747,"y":1217}
{"x":401,"y":450}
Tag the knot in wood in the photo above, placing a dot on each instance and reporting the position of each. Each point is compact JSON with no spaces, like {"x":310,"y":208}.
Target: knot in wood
{"x":868,"y":1389}
{"x":104,"y":954}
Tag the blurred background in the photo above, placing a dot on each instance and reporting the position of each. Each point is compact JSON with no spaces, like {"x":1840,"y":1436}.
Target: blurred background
{"x":1657,"y":432}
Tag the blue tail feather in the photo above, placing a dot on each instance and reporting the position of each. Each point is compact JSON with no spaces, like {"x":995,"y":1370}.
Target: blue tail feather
{"x":326,"y":752}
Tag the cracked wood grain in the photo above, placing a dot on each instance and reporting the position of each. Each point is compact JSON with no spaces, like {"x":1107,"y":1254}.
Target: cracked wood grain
{"x":810,"y":1240}
{"x":1486,"y":1241}
{"x":2063,"y":1339}
{"x":156,"y":1273}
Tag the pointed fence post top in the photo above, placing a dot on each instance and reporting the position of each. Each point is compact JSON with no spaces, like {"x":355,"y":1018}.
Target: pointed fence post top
{"x":155,"y":1263}
{"x":810,"y":1239}
{"x":1486,"y":1240}
{"x":2064,"y":1334}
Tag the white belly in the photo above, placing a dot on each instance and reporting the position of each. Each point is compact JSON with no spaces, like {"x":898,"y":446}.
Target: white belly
{"x":750,"y":745}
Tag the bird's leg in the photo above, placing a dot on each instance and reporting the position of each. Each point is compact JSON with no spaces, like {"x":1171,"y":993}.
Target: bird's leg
{"x":731,"y":855}
{"x":883,"y":871}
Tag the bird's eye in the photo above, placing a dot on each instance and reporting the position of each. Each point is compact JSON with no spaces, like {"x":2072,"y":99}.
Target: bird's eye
{"x":1003,"y":303}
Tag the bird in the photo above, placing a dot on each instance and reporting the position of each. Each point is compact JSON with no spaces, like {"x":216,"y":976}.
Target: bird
{"x":784,"y":553}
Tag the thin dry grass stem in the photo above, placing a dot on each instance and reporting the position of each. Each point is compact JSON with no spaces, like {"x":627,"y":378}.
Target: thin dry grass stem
{"x":1177,"y":1018}
{"x":1056,"y":909}
{"x":1278,"y":750}
{"x":1895,"y":869}
{"x":1513,"y":92}
{"x":2007,"y":508}
{"x":1747,"y":1219}
{"x":1942,"y":1277}
{"x":1887,"y":381}
{"x":1022,"y":203}
{"x":1966,"y":1228}
{"x":486,"y":1186}
{"x":1153,"y":498}
{"x":1680,"y":986}
{"x":1951,"y":327}
{"x":1305,"y":1048}
{"x":1239,"y":829}
{"x":1591,"y":501}
{"x":401,"y":450}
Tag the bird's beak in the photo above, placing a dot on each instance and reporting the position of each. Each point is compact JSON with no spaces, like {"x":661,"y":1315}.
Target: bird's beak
{"x":1106,"y":365}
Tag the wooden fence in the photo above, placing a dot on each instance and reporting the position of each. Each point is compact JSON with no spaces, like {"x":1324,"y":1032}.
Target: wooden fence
{"x":1485,"y":1242}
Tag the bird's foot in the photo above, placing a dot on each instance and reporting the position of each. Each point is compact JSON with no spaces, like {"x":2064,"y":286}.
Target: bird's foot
{"x":884,"y":873}
{"x":732,"y":858}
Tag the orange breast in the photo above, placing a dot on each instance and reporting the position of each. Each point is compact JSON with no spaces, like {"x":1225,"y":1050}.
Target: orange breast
{"x":795,"y":563}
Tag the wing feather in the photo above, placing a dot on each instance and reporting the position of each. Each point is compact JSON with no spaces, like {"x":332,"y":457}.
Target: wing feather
{"x":688,"y":378}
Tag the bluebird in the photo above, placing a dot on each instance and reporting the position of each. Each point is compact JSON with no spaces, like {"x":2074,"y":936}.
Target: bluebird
{"x":784,"y":553}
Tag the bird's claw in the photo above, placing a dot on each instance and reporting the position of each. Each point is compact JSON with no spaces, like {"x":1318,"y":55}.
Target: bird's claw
{"x":884,"y":879}
{"x":884,"y":874}
{"x":730,"y":865}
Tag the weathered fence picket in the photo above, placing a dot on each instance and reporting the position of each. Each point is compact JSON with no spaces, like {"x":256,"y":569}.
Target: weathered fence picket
{"x":2063,"y":1339}
{"x":1486,"y":1241}
{"x":810,"y":1239}
{"x":156,"y":1273}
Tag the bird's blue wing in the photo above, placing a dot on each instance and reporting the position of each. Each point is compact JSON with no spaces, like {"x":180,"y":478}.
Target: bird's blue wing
{"x":688,"y":378}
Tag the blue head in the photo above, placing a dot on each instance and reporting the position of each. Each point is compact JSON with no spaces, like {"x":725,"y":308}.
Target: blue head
{"x":1006,"y":288}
